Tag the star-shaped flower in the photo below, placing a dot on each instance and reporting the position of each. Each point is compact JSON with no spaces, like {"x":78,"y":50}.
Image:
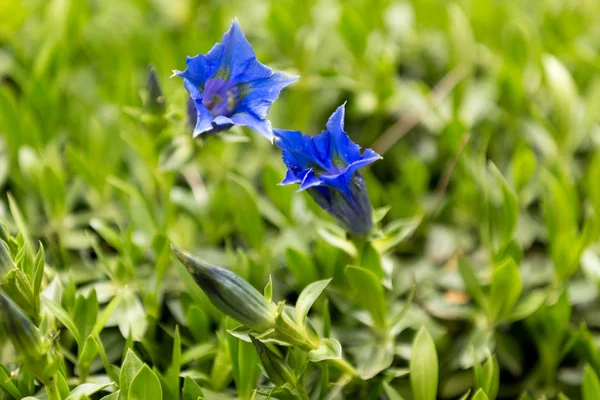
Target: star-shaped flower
{"x":326,"y":165}
{"x":229,"y":86}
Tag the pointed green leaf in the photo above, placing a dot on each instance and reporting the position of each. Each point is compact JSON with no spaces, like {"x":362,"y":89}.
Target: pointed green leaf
{"x":307,"y":298}
{"x":424,"y":367}
{"x":145,"y":386}
{"x":329,"y":349}
{"x":131,"y":366}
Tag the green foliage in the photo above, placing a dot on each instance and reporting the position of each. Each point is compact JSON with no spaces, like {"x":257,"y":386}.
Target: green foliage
{"x":480,"y":280}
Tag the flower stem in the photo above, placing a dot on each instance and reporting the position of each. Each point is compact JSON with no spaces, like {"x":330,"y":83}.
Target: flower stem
{"x":52,"y":389}
{"x":345,"y":366}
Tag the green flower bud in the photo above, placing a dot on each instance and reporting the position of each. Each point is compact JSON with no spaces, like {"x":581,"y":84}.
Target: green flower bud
{"x":276,"y":368}
{"x":6,"y":262}
{"x":155,"y":103}
{"x":23,"y":334}
{"x":230,"y":293}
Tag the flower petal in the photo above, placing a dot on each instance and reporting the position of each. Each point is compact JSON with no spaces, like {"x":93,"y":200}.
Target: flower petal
{"x":202,"y":66}
{"x":237,"y":53}
{"x":290,"y":178}
{"x":292,"y":144}
{"x":204,"y":119}
{"x":340,"y":182}
{"x":250,"y":120}
{"x":340,"y":142}
{"x":222,"y":123}
{"x":263,"y":92}
{"x":310,"y":180}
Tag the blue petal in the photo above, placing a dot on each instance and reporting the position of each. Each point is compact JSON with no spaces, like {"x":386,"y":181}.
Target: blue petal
{"x":221,"y":123}
{"x":296,"y":156}
{"x":238,"y":52}
{"x":192,"y":113}
{"x":193,"y":89}
{"x":321,"y":145}
{"x":339,"y":182}
{"x":250,"y":120}
{"x":202,"y":66}
{"x":255,"y":70}
{"x":309,"y":181}
{"x":290,"y":178}
{"x":263,"y":92}
{"x":204,"y":120}
{"x":340,"y":142}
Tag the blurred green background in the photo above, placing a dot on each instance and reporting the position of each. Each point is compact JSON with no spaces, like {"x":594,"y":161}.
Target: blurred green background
{"x":487,"y":114}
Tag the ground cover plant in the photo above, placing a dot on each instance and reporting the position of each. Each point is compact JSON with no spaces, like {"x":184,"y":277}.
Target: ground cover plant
{"x":326,"y":200}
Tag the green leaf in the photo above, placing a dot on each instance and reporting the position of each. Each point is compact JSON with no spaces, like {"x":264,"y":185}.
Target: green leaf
{"x":7,"y":384}
{"x":336,"y":238}
{"x":191,"y":390}
{"x":131,"y":366}
{"x":301,"y":266}
{"x":374,"y":357}
{"x":395,"y":233}
{"x":505,"y":289}
{"x":105,"y":315}
{"x":198,"y":323}
{"x":461,"y":36}
{"x":268,"y":292}
{"x":87,"y":389}
{"x":131,"y":315}
{"x":479,"y":395}
{"x":591,"y":384}
{"x":329,"y":349}
{"x":174,"y":370}
{"x":391,"y":393}
{"x":107,"y":233}
{"x":369,"y":294}
{"x":245,"y":364}
{"x":64,"y":318}
{"x":247,"y":219}
{"x":501,"y":210}
{"x":21,"y":224}
{"x":61,"y":383}
{"x":371,"y":260}
{"x":38,"y":271}
{"x":424,"y":367}
{"x":145,"y":386}
{"x":307,"y":298}
{"x":487,"y":377}
{"x":112,"y":396}
{"x":6,"y":262}
{"x":564,"y":94}
{"x":85,"y":313}
{"x":529,"y":304}
{"x":467,"y":272}
{"x":88,"y":353}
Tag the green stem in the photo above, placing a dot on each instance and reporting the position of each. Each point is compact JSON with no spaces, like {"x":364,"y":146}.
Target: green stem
{"x":345,"y":366}
{"x":302,"y":395}
{"x":52,"y":389}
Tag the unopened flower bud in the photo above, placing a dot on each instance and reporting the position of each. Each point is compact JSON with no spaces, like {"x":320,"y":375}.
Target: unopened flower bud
{"x":155,"y":102}
{"x":230,"y":293}
{"x":278,"y":371}
{"x":23,"y":334}
{"x":6,"y":262}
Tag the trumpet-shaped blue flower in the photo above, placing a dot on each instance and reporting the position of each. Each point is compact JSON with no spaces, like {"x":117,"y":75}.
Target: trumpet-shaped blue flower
{"x":229,"y":86}
{"x":326,"y":165}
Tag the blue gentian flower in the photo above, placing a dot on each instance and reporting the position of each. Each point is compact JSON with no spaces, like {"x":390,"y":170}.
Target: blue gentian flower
{"x":327,"y":165}
{"x":229,"y":86}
